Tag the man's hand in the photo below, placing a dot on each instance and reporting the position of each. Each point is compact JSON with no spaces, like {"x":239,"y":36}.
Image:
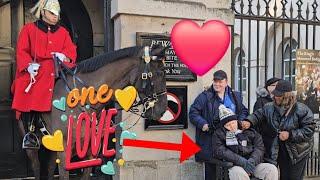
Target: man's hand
{"x":245,"y":124}
{"x":60,"y":56}
{"x":283,"y":135}
{"x":205,"y":127}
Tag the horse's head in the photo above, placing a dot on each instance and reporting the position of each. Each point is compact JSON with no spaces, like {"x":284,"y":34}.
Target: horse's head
{"x":151,"y":83}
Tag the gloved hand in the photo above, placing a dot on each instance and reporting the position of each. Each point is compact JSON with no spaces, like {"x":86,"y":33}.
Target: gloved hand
{"x":248,"y":165}
{"x":251,"y":160}
{"x":33,"y":71}
{"x":33,"y":68}
{"x":242,"y":161}
{"x":60,"y":56}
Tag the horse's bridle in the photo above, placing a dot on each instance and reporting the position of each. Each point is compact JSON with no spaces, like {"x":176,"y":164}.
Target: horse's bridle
{"x":146,"y":76}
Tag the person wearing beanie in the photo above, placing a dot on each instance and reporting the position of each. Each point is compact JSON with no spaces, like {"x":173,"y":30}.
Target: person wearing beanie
{"x":38,"y":43}
{"x":287,"y":131}
{"x":244,"y":148}
{"x":264,"y":93}
{"x":204,"y":115}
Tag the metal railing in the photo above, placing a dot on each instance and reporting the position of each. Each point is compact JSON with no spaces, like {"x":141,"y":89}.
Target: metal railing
{"x":312,"y":166}
{"x":266,"y":34}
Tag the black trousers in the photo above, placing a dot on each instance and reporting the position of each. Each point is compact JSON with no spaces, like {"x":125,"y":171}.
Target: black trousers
{"x":288,"y":171}
{"x":209,"y":171}
{"x":29,"y":118}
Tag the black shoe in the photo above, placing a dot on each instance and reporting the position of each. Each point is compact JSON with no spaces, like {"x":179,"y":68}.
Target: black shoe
{"x":30,"y":141}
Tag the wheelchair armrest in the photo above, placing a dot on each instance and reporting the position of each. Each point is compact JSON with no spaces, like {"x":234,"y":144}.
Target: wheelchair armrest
{"x":221,"y":163}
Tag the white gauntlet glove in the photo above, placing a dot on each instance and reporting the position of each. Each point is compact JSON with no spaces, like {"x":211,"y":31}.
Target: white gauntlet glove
{"x":33,"y":68}
{"x":33,"y":71}
{"x":59,"y":56}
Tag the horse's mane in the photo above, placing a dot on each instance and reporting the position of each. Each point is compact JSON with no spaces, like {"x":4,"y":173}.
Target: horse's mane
{"x":96,"y":62}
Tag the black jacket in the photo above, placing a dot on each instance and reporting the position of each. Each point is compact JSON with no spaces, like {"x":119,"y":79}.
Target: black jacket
{"x":205,"y":110}
{"x":253,"y":148}
{"x":299,"y":123}
{"x":263,"y":98}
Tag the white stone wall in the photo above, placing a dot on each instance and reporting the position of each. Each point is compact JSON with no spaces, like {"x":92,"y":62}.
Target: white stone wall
{"x":5,"y":28}
{"x":159,"y":16}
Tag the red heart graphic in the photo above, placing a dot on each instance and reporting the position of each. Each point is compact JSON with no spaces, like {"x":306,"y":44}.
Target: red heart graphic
{"x":200,"y":48}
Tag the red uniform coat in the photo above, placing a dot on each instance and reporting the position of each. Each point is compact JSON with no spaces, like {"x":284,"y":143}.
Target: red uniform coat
{"x":38,"y":40}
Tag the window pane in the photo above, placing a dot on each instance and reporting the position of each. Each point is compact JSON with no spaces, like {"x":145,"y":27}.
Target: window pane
{"x":286,"y":52}
{"x":244,"y":72}
{"x":243,"y":61}
{"x":240,"y":68}
{"x":244,"y":85}
{"x":286,"y":68}
{"x":238,"y":61}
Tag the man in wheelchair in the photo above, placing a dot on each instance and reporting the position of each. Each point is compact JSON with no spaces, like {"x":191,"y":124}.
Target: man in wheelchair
{"x":244,"y":148}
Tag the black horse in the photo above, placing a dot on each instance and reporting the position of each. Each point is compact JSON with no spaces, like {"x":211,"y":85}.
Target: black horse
{"x":136,"y":66}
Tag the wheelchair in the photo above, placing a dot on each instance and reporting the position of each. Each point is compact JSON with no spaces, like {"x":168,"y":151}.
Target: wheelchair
{"x":221,"y":169}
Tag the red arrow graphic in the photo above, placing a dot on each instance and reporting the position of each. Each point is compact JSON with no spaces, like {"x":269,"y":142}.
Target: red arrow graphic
{"x":187,"y":148}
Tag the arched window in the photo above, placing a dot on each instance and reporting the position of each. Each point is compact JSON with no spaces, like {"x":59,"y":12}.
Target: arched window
{"x":286,"y":61}
{"x":241,"y":66}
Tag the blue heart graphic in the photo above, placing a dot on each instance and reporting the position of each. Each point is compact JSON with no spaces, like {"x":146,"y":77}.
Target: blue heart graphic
{"x":60,"y":104}
{"x":127,"y":135}
{"x":108,"y":168}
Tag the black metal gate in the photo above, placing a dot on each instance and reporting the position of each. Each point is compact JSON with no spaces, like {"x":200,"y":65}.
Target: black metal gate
{"x":266,"y":34}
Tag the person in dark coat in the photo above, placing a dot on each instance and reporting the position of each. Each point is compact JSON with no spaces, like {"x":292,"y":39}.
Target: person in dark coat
{"x":287,"y":131}
{"x":204,"y":115}
{"x":264,"y":93}
{"x":244,"y":148}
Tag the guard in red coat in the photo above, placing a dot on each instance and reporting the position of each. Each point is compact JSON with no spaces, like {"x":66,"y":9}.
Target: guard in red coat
{"x":37,"y":44}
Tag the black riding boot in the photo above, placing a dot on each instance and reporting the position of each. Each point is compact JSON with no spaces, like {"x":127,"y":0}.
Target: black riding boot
{"x":40,"y":124}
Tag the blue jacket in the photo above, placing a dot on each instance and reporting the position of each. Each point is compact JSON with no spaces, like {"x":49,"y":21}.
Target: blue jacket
{"x":205,"y":110}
